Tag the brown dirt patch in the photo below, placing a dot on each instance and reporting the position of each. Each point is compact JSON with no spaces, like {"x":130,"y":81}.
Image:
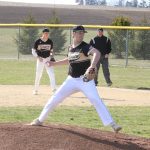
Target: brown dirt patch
{"x":62,"y":137}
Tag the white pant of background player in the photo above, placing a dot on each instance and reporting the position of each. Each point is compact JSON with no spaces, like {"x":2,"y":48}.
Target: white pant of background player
{"x":72,"y":85}
{"x":39,"y":71}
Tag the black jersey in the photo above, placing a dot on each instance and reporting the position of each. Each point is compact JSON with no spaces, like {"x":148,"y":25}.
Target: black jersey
{"x":78,"y":59}
{"x":43,"y":49}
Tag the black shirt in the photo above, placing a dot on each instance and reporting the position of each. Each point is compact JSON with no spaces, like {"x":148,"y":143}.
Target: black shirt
{"x":79,"y":59}
{"x":102,"y":44}
{"x":43,"y":48}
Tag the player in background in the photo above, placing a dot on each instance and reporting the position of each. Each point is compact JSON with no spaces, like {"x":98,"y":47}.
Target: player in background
{"x":79,"y":62}
{"x":43,"y":51}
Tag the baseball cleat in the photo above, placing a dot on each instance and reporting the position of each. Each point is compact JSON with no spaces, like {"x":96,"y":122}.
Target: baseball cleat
{"x":36,"y":122}
{"x":116,"y":128}
{"x":35,"y":92}
{"x":109,"y":84}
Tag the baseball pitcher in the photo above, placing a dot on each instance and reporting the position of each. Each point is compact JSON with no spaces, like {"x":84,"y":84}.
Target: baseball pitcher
{"x":80,"y":78}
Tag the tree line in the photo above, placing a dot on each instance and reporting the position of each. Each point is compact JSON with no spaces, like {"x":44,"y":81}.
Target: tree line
{"x":138,"y":45}
{"x":135,"y":42}
{"x":120,"y":3}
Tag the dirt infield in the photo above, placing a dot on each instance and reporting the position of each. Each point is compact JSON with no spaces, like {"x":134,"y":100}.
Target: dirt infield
{"x":21,"y":95}
{"x":16,"y":136}
{"x":61,"y":137}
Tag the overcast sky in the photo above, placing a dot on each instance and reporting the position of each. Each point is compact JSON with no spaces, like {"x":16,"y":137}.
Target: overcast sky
{"x":44,"y":1}
{"x":110,"y":2}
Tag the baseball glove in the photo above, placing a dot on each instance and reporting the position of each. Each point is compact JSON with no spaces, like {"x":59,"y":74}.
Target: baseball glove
{"x":89,"y":74}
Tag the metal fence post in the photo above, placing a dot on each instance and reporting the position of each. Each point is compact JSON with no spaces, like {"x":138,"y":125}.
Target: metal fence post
{"x":70,"y":36}
{"x":127,"y":38}
{"x":19,"y":43}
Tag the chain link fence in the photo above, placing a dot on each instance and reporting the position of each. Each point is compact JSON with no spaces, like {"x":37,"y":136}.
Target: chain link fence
{"x":130,"y":47}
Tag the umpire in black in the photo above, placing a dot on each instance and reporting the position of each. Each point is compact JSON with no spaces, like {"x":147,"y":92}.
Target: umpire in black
{"x":103,"y":44}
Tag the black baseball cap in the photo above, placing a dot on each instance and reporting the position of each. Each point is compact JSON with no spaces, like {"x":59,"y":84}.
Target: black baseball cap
{"x":100,"y":29}
{"x":45,"y":30}
{"x":79,"y":28}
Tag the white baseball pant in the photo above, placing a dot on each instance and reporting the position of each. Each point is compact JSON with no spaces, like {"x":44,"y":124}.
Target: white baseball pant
{"x":72,"y":85}
{"x":39,"y":71}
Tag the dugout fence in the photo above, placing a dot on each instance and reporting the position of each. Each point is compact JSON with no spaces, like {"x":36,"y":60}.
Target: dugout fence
{"x":130,"y":45}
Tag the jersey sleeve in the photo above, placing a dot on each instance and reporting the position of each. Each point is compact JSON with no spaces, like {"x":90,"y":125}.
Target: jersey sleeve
{"x":92,"y":42}
{"x":86,"y":49}
{"x":36,"y":44}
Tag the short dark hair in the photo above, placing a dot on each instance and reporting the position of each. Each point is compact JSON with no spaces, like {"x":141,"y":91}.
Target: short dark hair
{"x":45,"y":30}
{"x":79,"y":28}
{"x":100,"y":29}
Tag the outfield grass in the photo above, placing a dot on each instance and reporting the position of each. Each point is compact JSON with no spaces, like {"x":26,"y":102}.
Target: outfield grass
{"x":8,"y":46}
{"x":135,"y":120}
{"x":10,"y":34}
{"x":13,"y":72}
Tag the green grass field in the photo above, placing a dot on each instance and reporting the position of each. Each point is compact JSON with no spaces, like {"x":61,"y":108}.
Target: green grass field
{"x":15,"y":72}
{"x":134,"y":120}
{"x":8,"y":48}
{"x":9,"y":34}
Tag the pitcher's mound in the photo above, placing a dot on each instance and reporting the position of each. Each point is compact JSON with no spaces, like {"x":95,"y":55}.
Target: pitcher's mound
{"x":62,"y":137}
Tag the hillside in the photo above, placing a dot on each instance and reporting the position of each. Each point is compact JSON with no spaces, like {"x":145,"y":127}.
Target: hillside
{"x":16,"y":12}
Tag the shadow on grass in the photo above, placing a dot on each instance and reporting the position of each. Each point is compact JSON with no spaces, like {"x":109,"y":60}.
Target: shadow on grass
{"x":143,"y":88}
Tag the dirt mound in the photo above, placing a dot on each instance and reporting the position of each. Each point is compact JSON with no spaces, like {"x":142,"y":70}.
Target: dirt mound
{"x":62,"y":137}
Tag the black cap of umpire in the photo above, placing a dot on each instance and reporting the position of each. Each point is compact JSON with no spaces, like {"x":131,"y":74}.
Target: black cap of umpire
{"x":45,"y":30}
{"x":79,"y":28}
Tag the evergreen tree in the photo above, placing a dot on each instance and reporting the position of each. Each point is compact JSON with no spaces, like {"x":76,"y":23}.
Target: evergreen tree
{"x":27,"y":36}
{"x":118,"y":37}
{"x":57,"y":34}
